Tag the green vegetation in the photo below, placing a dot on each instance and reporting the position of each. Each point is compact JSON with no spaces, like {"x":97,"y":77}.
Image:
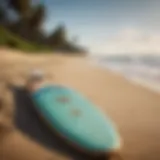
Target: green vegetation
{"x":25,"y":33}
{"x":13,"y":41}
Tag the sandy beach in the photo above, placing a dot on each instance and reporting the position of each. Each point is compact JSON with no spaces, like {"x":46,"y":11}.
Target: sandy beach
{"x":134,"y":109}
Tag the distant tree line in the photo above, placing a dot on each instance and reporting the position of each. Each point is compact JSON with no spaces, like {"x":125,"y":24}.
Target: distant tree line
{"x":25,"y":20}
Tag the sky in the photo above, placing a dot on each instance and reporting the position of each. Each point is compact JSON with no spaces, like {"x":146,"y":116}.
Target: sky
{"x":108,"y":26}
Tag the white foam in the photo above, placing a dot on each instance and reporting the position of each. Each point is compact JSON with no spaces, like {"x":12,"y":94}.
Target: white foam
{"x":146,"y":76}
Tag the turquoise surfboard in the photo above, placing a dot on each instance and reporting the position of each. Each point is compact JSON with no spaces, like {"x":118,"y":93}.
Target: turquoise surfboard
{"x":76,"y":118}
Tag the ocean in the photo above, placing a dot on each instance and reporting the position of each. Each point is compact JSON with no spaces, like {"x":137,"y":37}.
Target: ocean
{"x":142,"y":70}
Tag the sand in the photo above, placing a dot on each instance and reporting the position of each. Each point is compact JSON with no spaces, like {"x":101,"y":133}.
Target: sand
{"x":134,"y":109}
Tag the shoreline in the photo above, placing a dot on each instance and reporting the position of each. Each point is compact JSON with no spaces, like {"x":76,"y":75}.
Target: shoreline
{"x":149,"y":84}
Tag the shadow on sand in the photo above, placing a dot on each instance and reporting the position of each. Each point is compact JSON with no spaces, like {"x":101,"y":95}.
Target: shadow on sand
{"x":29,"y":122}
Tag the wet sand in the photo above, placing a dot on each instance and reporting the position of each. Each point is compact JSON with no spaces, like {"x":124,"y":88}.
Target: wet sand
{"x":134,"y":109}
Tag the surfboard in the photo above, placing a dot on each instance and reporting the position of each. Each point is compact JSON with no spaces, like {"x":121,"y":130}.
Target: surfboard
{"x":76,"y":118}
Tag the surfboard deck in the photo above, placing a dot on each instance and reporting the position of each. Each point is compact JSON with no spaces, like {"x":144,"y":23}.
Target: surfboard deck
{"x":76,"y":118}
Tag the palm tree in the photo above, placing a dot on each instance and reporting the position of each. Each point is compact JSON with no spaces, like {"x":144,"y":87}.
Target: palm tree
{"x":22,"y":7}
{"x":37,"y":17}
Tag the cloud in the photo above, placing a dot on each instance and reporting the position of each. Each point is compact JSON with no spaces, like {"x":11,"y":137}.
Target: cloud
{"x":131,"y":41}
